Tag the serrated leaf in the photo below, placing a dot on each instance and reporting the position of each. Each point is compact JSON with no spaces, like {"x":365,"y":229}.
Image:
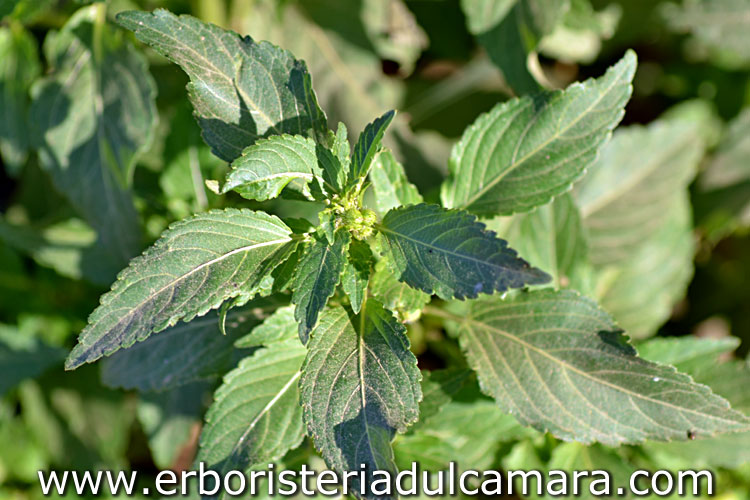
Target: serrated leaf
{"x":557,"y":362}
{"x":367,"y":146}
{"x":526,"y":151}
{"x":360,"y":384}
{"x":275,"y":328}
{"x":391,"y":187}
{"x":438,"y":389}
{"x":185,"y":352}
{"x":641,"y":291}
{"x":449,"y":253}
{"x":256,"y":417}
{"x":92,"y":116}
{"x":283,"y":161}
{"x":316,"y":278}
{"x":195,"y":266}
{"x":405,"y":301}
{"x":623,"y":202}
{"x":356,"y":275}
{"x":19,"y":66}
{"x":241,"y":90}
{"x":550,"y":238}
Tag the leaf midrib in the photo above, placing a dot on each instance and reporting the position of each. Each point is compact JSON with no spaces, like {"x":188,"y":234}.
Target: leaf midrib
{"x":544,"y":144}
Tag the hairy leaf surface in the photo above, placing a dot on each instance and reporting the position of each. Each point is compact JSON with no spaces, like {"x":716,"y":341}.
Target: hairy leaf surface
{"x":367,"y":146}
{"x":92,"y":116}
{"x":360,"y":384}
{"x":557,"y":362}
{"x":449,"y":253}
{"x":195,"y":266}
{"x":282,"y":161}
{"x":526,"y":151}
{"x":356,"y":275}
{"x":241,"y":90}
{"x":256,"y":417}
{"x":316,"y":278}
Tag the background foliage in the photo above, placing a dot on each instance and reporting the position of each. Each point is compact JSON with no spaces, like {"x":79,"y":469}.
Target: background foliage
{"x":100,"y":153}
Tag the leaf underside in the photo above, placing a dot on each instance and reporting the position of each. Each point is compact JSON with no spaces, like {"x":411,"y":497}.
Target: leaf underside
{"x":557,"y":362}
{"x":196,"y":265}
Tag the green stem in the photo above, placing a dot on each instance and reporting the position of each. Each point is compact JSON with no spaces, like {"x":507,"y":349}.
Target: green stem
{"x":100,"y":24}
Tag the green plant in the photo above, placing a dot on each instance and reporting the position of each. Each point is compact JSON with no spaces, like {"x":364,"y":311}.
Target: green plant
{"x":338,"y":358}
{"x":623,"y":201}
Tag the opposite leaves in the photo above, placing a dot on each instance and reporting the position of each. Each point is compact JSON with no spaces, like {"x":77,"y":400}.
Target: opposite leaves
{"x":557,"y":362}
{"x":449,"y":253}
{"x":241,"y":90}
{"x":195,"y":266}
{"x":526,"y":151}
{"x":360,"y":384}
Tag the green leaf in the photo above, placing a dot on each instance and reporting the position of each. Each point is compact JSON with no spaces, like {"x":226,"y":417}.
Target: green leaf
{"x":449,"y":253}
{"x":558,"y":363}
{"x":367,"y":146}
{"x":274,"y":328}
{"x":526,"y":151}
{"x":357,"y":273}
{"x":195,"y":266}
{"x":185,"y":352}
{"x":241,"y":90}
{"x":396,"y":296}
{"x":688,"y":353}
{"x":256,"y":417}
{"x":729,"y":163}
{"x":19,"y":66}
{"x":623,"y":203}
{"x":578,"y":457}
{"x":391,"y":187}
{"x":168,"y":418}
{"x":641,"y":292}
{"x":316,"y":278}
{"x":92,"y":116}
{"x":283,"y":161}
{"x":439,"y":387}
{"x":360,"y":384}
{"x":550,"y":238}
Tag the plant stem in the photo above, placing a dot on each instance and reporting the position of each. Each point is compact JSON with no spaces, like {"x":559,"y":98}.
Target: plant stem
{"x":100,"y":23}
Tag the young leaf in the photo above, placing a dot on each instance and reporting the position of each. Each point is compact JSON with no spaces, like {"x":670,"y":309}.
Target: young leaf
{"x":316,"y":278}
{"x":449,"y":253}
{"x":405,"y":301}
{"x":360,"y":384}
{"x":557,"y":362}
{"x":391,"y":187}
{"x":92,"y":116}
{"x":551,"y":238}
{"x":623,"y":202}
{"x":357,"y":273}
{"x":241,"y":90}
{"x":256,"y":417}
{"x":367,"y":146}
{"x":275,"y":328}
{"x":195,"y":266}
{"x":526,"y":151}
{"x":185,"y":352}
{"x":281,"y":161}
{"x":19,"y":66}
